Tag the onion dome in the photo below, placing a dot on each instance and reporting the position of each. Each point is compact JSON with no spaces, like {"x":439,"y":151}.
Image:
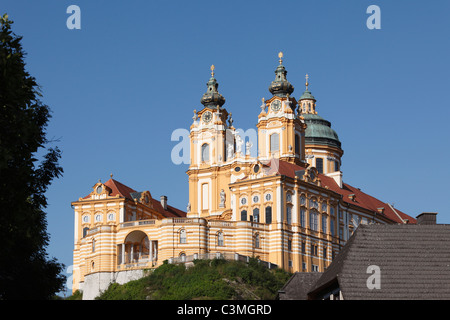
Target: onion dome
{"x":280,"y":86}
{"x":212,"y":97}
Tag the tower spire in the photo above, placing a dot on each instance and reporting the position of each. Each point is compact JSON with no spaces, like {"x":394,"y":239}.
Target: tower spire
{"x":212,"y":97}
{"x":280,"y":56}
{"x":280,"y":86}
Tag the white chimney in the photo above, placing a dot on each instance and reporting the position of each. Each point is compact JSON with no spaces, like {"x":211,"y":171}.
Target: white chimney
{"x":337,"y":176}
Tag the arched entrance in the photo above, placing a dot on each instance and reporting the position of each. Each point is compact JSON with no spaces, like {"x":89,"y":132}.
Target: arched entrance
{"x":136,"y":249}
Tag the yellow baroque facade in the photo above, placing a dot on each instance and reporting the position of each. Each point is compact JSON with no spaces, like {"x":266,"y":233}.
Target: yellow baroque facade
{"x":278,"y":195}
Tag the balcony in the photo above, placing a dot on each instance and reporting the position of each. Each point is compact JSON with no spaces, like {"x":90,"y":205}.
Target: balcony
{"x":130,"y":224}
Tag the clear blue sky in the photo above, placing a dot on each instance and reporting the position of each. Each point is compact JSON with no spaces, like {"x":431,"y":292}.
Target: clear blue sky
{"x":135,"y":71}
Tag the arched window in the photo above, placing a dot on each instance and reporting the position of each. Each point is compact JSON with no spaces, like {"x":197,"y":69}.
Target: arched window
{"x":274,"y":142}
{"x":205,"y":152}
{"x":220,"y":239}
{"x":256,"y":215}
{"x":182,"y":236}
{"x":244,"y":215}
{"x":268,"y":214}
{"x":85,"y":231}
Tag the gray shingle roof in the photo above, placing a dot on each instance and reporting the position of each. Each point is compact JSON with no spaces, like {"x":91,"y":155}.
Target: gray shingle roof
{"x":297,"y":287}
{"x":414,"y":262}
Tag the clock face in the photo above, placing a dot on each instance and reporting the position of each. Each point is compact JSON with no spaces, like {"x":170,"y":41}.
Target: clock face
{"x":276,"y":105}
{"x":207,"y":116}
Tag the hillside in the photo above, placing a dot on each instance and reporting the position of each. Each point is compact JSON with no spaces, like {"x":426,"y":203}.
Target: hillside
{"x":215,"y":279}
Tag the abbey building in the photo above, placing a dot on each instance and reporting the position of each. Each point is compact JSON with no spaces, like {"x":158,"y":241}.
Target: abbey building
{"x":288,"y":205}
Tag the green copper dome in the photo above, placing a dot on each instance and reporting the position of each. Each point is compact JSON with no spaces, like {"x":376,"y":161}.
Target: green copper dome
{"x":318,"y":131}
{"x":307,"y":95}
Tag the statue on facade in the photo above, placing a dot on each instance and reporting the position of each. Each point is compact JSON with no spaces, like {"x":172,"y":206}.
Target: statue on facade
{"x":222,"y":199}
{"x":239,"y":143}
{"x":230,"y":151}
{"x":248,"y":147}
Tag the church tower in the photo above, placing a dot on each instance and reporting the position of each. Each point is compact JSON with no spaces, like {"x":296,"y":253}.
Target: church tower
{"x":322,"y":145}
{"x":209,"y":136}
{"x":281,"y":131}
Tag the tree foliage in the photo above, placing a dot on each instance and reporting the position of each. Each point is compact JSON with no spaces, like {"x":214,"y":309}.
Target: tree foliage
{"x":216,"y":279}
{"x":26,"y":272}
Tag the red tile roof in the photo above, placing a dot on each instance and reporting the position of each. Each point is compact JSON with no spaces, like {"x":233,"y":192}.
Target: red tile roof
{"x":118,"y":188}
{"x":360,"y":199}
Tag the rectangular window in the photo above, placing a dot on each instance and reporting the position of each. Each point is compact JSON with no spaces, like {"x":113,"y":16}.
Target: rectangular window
{"x":268,"y":214}
{"x":324,"y":224}
{"x":303,"y":247}
{"x":336,"y":165}
{"x":220,"y":239}
{"x":289,"y":244}
{"x":205,"y":196}
{"x":332,"y":227}
{"x":256,"y":215}
{"x":274,"y":142}
{"x":244,"y":215}
{"x":313,"y":221}
{"x":319,"y":165}
{"x":288,"y":215}
{"x":303,"y":218}
{"x":297,"y":144}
